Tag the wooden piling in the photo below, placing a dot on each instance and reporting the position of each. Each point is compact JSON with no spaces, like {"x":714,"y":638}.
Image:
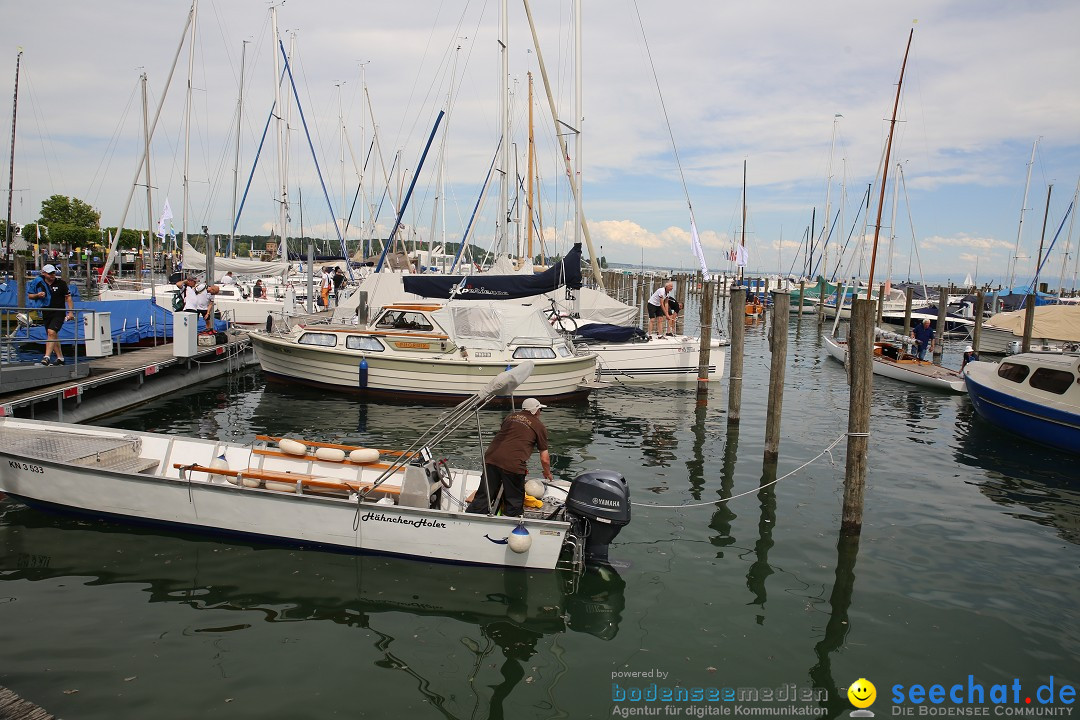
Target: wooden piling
{"x":860,"y":348}
{"x":939,"y":333}
{"x":976,"y":336}
{"x":907,"y":311}
{"x":706,"y":315}
{"x":802,"y":297}
{"x":1029,"y":322}
{"x":880,"y":307}
{"x":778,"y":342}
{"x":738,"y":337}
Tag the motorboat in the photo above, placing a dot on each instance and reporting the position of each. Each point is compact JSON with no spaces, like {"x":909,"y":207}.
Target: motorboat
{"x":955,"y":323}
{"x":400,"y":502}
{"x":630,"y":356}
{"x":429,"y":351}
{"x":1034,"y":395}
{"x":891,"y":359}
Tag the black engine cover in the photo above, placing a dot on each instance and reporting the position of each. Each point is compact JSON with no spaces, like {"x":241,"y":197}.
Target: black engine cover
{"x":600,"y":495}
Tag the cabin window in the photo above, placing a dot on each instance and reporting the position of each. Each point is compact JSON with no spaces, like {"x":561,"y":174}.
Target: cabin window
{"x":320,"y":339}
{"x":404,"y":320}
{"x":1012,"y":371}
{"x":363,"y":342}
{"x":1051,"y":380}
{"x":563,"y":351}
{"x":534,"y":353}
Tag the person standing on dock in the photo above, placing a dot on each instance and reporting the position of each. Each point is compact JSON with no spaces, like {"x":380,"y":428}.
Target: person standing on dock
{"x":924,"y":338}
{"x":658,"y":308}
{"x":507,"y":458}
{"x":53,"y":295}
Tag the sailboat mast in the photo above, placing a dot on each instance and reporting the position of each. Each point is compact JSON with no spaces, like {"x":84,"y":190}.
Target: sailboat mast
{"x":504,"y":121}
{"x":1042,"y":238}
{"x":11,"y":169}
{"x":187,"y":125}
{"x":742,"y":268}
{"x":1023,"y":207}
{"x":283,"y":192}
{"x":149,"y":204}
{"x":236,"y":156}
{"x":885,"y":166}
{"x":529,"y":165}
{"x":579,"y":117}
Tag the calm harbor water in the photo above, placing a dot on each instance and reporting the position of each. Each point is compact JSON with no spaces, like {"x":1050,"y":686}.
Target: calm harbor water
{"x":967,"y":565}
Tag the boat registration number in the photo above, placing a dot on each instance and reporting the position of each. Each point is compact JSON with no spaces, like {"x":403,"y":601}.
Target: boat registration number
{"x":26,"y":466}
{"x":414,"y":345}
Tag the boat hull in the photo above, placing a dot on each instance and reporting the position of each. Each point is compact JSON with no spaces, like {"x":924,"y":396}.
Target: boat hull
{"x":210,"y":504}
{"x":1017,"y":408}
{"x":915,"y":372}
{"x":657,"y":360}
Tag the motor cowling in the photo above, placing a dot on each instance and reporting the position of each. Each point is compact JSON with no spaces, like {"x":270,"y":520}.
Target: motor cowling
{"x":599,"y":501}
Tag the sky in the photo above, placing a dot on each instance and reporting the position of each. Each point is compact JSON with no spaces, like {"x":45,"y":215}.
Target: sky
{"x":677,"y":99}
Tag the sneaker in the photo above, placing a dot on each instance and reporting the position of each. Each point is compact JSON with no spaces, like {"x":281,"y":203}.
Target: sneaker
{"x":45,"y":361}
{"x":58,"y":361}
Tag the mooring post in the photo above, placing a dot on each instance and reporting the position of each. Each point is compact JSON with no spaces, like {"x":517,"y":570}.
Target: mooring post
{"x":778,"y":342}
{"x":976,"y":336}
{"x":738,"y":336}
{"x":860,"y":344}
{"x":1029,"y":322}
{"x":706,"y":315}
{"x":939,"y":332}
{"x":802,"y":295}
{"x":822,"y":286}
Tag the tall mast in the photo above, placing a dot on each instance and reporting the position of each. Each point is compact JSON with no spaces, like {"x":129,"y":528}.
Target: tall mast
{"x":187,"y":124}
{"x":885,"y":167}
{"x":504,"y":121}
{"x":149,"y":204}
{"x":742,"y":270}
{"x":1023,"y":207}
{"x":11,"y":169}
{"x":236,"y":157}
{"x":579,"y":115}
{"x":283,"y":190}
{"x":1042,"y":238}
{"x":531,"y":151}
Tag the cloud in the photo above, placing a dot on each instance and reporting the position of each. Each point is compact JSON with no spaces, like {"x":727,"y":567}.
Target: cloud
{"x":964,"y":241}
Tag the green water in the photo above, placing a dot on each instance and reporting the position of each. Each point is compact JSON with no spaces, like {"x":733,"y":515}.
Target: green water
{"x":966,"y":566}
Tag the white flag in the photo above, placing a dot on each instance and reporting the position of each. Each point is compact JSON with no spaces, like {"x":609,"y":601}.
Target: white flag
{"x":741,"y":256}
{"x":166,"y":214}
{"x":697,"y":248}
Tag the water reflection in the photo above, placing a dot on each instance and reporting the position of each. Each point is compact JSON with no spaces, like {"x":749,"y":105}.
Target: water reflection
{"x":760,"y":570}
{"x":724,"y":516}
{"x":512,"y":612}
{"x":837,"y":628}
{"x":1019,"y":474}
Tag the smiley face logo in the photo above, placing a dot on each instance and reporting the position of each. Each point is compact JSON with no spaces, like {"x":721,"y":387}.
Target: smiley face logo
{"x":862,"y":693}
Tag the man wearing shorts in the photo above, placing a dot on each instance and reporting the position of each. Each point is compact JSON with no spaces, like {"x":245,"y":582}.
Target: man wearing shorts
{"x":53,"y":294}
{"x":658,"y":308}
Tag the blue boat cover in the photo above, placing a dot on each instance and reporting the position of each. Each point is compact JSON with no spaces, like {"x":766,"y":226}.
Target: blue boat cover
{"x":9,"y":293}
{"x":499,"y":287}
{"x":610,"y":333}
{"x":131,"y":320}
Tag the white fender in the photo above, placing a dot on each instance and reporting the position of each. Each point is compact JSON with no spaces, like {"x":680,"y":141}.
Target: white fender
{"x":364,"y":455}
{"x":292,"y":447}
{"x":330,"y":454}
{"x":535,"y":488}
{"x":519,"y":541}
{"x":219,"y":463}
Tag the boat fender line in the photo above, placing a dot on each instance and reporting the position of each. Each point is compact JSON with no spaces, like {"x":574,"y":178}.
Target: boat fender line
{"x":364,"y":455}
{"x":520,"y":541}
{"x":292,"y":447}
{"x":330,"y":454}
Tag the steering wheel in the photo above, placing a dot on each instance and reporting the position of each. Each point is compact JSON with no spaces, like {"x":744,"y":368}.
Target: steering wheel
{"x":443,"y":471}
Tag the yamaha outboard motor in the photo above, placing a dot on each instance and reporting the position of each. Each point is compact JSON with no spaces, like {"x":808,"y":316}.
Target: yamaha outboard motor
{"x":599,"y":506}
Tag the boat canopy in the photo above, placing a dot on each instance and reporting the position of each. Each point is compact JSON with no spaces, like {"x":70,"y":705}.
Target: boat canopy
{"x":499,"y":287}
{"x":488,"y":325}
{"x":195,"y":260}
{"x":1060,"y":322}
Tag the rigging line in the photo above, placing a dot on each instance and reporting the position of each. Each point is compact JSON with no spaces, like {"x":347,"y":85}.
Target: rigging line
{"x":663,"y":108}
{"x":826,"y":451}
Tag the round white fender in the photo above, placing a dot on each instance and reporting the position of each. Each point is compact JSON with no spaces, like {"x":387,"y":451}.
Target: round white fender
{"x":535,"y":488}
{"x":292,"y":447}
{"x":364,"y":455}
{"x":219,"y":463}
{"x":520,"y":541}
{"x":330,"y":454}
{"x":280,"y":486}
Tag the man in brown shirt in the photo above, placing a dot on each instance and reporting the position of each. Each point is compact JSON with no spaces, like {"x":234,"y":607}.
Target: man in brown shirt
{"x":507,"y":458}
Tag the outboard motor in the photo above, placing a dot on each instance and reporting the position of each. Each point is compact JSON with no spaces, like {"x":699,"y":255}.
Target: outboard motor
{"x":599,"y":506}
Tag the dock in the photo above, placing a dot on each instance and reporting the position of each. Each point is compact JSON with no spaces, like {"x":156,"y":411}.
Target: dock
{"x":118,"y":382}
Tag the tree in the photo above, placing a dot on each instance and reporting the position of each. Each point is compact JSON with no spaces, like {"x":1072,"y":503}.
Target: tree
{"x":62,"y":210}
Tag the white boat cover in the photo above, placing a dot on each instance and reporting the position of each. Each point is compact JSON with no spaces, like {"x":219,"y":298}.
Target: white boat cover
{"x":195,"y":260}
{"x":1052,"y":322}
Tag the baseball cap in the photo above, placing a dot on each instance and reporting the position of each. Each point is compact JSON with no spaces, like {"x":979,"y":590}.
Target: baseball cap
{"x":532,"y":405}
{"x":51,"y":269}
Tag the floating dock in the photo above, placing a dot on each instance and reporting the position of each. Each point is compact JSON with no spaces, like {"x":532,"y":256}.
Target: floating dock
{"x":119,"y":382}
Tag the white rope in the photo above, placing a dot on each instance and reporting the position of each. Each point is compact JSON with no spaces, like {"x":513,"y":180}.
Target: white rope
{"x":826,"y":451}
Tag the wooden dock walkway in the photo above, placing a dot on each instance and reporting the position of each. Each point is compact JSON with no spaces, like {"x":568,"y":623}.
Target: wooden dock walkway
{"x":144,"y":374}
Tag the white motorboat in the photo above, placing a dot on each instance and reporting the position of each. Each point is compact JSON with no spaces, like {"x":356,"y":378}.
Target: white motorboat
{"x":891,"y":360}
{"x":639,"y":358}
{"x":283,"y":490}
{"x":1055,"y":326}
{"x":429,"y":351}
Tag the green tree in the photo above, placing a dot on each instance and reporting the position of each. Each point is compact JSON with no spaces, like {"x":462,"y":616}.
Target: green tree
{"x":63,"y":210}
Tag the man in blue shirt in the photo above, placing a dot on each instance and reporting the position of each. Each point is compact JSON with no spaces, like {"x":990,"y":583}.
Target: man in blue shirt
{"x":924,"y":338}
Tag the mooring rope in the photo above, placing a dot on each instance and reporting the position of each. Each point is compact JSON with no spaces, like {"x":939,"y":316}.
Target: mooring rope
{"x":826,"y":451}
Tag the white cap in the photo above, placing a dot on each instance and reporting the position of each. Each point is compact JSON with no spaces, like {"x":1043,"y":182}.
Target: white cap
{"x":532,"y":405}
{"x":969,"y":349}
{"x":51,"y":269}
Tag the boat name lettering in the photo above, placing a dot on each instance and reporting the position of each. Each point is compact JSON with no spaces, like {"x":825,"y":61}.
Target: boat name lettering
{"x":418,"y":345}
{"x":419,"y":522}
{"x":482,"y":291}
{"x":608,"y":503}
{"x":26,"y":466}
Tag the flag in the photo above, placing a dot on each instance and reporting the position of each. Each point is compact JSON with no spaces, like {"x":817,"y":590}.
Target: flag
{"x":697,"y":248}
{"x":741,"y":256}
{"x":166,"y":214}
